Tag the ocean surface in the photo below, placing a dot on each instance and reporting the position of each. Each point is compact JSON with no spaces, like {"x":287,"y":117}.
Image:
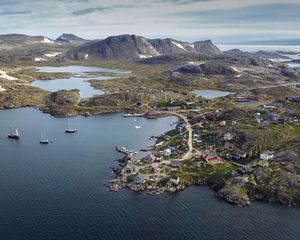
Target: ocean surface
{"x":57,"y":192}
{"x":269,"y":48}
{"x":255,"y":48}
{"x":79,"y":81}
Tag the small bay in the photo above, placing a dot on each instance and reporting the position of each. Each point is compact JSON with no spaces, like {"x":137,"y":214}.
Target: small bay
{"x":61,"y":186}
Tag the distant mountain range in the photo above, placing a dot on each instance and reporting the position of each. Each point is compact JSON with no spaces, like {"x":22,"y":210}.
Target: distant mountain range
{"x":122,"y":47}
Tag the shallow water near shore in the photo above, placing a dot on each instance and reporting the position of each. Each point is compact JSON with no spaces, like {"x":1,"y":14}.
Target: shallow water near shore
{"x":57,"y":191}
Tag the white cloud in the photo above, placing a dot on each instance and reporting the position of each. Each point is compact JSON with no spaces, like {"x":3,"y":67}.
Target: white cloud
{"x":151,"y":18}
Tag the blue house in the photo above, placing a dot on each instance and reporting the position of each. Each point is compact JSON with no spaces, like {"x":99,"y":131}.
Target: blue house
{"x":256,"y":115}
{"x":235,"y":157}
{"x":172,"y":148}
{"x":280,"y":121}
{"x":274,"y":116}
{"x":267,"y":118}
{"x":180,"y":126}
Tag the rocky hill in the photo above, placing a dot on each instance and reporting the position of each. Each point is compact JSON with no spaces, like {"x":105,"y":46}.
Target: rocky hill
{"x":9,"y":41}
{"x":124,"y":47}
{"x":70,"y":38}
{"x":117,"y":47}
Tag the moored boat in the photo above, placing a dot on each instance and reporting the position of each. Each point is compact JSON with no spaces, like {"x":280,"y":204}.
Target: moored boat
{"x":43,"y":140}
{"x":69,"y":129}
{"x":14,"y":134}
{"x":125,"y":151}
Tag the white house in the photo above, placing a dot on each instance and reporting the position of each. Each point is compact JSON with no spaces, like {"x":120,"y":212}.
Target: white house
{"x":167,"y":152}
{"x":222,"y":123}
{"x":228,"y":136}
{"x":267,"y":155}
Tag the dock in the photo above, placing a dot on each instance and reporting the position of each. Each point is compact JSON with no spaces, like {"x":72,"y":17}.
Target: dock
{"x":125,"y":151}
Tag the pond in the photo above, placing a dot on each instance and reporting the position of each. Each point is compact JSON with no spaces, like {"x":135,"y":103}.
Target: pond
{"x":78,"y":81}
{"x":211,"y":94}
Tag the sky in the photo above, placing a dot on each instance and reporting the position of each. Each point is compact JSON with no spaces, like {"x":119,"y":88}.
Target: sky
{"x":222,"y":21}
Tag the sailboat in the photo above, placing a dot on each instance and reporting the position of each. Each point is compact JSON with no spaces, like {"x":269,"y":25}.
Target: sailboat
{"x":14,"y":134}
{"x":69,"y":129}
{"x":43,"y":139}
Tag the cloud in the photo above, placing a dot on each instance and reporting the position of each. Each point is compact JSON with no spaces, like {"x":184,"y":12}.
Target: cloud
{"x":183,"y":19}
{"x":89,"y":10}
{"x":259,"y":13}
{"x":5,"y":13}
{"x":180,"y":2}
{"x":99,"y":9}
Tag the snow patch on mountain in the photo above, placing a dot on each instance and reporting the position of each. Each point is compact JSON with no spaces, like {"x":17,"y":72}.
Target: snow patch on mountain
{"x":47,"y":40}
{"x":191,"y":45}
{"x":178,"y":45}
{"x":39,"y":59}
{"x":4,"y":75}
{"x":52,"y":54}
{"x":2,"y":89}
{"x":145,"y":56}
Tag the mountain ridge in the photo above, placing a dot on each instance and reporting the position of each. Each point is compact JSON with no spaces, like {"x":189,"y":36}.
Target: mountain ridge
{"x":122,"y":47}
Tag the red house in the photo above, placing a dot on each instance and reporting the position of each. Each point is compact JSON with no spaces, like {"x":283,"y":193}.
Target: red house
{"x":209,"y":156}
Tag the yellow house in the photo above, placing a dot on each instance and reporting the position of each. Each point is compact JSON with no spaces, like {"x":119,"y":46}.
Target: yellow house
{"x":175,"y":179}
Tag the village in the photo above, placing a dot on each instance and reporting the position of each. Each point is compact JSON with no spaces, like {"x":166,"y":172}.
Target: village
{"x":232,"y":149}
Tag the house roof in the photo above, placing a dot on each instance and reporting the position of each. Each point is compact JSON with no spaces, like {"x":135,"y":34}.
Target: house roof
{"x":174,"y":177}
{"x":209,"y":154}
{"x":176,"y":163}
{"x":268,"y":152}
{"x":172,"y":148}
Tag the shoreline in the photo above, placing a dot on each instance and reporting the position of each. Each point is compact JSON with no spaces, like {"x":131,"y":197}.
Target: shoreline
{"x":153,"y":187}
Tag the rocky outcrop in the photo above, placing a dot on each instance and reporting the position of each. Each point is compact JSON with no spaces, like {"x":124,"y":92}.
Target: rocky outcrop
{"x":209,"y":68}
{"x":215,"y":68}
{"x":191,"y":69}
{"x":62,"y":103}
{"x":234,"y":195}
{"x":206,"y":47}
